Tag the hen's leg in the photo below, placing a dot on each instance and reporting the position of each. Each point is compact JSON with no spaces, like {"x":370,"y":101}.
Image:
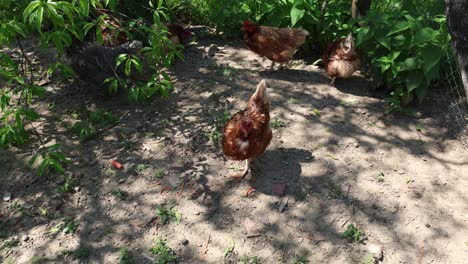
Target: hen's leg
{"x":241,"y":175}
{"x":272,"y":65}
{"x":332,"y":82}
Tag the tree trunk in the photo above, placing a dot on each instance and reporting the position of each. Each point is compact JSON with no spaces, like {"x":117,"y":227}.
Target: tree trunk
{"x":359,"y":8}
{"x":457,"y":20}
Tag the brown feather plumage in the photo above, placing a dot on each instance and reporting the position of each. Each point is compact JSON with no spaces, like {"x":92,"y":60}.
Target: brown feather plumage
{"x":241,"y":143}
{"x":341,"y":59}
{"x":277,"y":44}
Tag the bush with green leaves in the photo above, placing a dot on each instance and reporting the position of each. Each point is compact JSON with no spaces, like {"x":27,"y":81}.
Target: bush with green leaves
{"x":404,"y":56}
{"x":59,"y":25}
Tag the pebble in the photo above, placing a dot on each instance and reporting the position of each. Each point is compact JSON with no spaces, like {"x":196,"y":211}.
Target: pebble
{"x":427,"y":225}
{"x":376,"y":251}
{"x":122,"y":180}
{"x":25,"y":238}
{"x":7,"y":197}
{"x":184,"y":242}
{"x":356,"y":145}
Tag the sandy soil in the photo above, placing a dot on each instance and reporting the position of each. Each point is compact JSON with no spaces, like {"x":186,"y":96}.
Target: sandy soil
{"x":345,"y":163}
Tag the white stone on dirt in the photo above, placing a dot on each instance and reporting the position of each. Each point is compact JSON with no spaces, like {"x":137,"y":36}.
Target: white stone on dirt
{"x":7,"y":197}
{"x":376,"y":251}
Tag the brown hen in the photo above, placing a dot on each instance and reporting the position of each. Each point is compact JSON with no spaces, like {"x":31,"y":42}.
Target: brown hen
{"x":248,"y":133}
{"x":277,"y":44}
{"x":341,"y":59}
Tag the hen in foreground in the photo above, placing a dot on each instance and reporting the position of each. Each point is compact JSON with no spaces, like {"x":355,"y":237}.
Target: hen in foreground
{"x":341,"y":59}
{"x":277,"y":44}
{"x":248,"y":133}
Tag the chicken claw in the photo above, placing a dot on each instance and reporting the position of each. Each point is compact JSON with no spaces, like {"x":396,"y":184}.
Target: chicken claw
{"x":241,"y":175}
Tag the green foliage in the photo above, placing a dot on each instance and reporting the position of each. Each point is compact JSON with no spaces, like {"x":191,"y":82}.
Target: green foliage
{"x":93,"y":120}
{"x":250,"y":260}
{"x":353,"y":233}
{"x":404,"y":56}
{"x":219,"y":121}
{"x":275,"y":124}
{"x":82,"y":253}
{"x":301,"y":260}
{"x":125,"y":256}
{"x":68,"y":184}
{"x":168,"y":214}
{"x":163,"y":253}
{"x":52,"y":159}
{"x":122,"y":195}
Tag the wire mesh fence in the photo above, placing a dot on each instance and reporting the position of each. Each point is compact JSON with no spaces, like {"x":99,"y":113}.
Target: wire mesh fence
{"x":458,"y":106}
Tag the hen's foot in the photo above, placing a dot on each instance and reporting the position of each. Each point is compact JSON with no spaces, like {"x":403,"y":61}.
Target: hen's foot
{"x":238,"y":177}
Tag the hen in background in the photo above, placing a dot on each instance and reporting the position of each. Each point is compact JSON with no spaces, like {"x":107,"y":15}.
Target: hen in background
{"x":277,"y":44}
{"x":247,"y":134}
{"x":177,"y":33}
{"x":95,"y":63}
{"x":341,"y":59}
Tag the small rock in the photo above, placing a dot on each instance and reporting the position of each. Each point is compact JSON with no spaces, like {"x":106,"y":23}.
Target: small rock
{"x":7,"y":197}
{"x":25,"y":238}
{"x":356,"y":145}
{"x":427,"y":225}
{"x":283,"y":204}
{"x":184,"y":242}
{"x":251,"y":227}
{"x":376,"y":251}
{"x":76,"y":188}
{"x":122,"y":180}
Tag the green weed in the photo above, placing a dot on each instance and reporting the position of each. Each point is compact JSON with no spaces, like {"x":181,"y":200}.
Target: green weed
{"x":275,"y":124}
{"x":163,"y":253}
{"x":353,"y":234}
{"x":168,"y":214}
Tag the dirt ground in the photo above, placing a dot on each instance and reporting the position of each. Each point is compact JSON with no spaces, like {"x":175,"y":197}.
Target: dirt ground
{"x":346,"y":162}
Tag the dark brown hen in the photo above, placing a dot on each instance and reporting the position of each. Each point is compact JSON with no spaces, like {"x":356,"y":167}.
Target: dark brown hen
{"x":248,"y":133}
{"x":277,"y":44}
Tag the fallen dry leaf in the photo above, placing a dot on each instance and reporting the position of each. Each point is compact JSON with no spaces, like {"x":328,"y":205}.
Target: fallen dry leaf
{"x":117,"y":165}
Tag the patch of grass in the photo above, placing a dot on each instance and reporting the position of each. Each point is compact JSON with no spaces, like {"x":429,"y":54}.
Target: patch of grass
{"x":250,"y":260}
{"x":168,"y":214}
{"x":292,"y":101}
{"x":10,"y":244}
{"x":141,"y":167}
{"x":220,"y":120}
{"x":301,"y":260}
{"x":43,"y":211}
{"x":275,"y":124}
{"x":119,"y":193}
{"x":125,"y":256}
{"x":334,"y":191}
{"x":36,"y":260}
{"x":9,"y":260}
{"x":353,"y":234}
{"x":68,"y":226}
{"x":128,"y":144}
{"x":163,"y":254}
{"x":368,"y":259}
{"x":15,"y":206}
{"x":68,"y":184}
{"x":230,"y":248}
{"x":159,"y":174}
{"x":82,"y":253}
{"x":408,"y":179}
{"x":316,"y":112}
{"x":380,"y":177}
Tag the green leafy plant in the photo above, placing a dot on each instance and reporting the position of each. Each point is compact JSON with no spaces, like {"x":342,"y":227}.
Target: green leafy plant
{"x":353,"y":233}
{"x":92,"y":121}
{"x":125,"y":256}
{"x":82,"y":253}
{"x":404,"y":53}
{"x":51,"y":159}
{"x":68,"y":184}
{"x":163,"y":253}
{"x":168,"y":214}
{"x":122,"y":195}
{"x":275,"y":124}
{"x":220,"y":120}
{"x":301,"y":260}
{"x":250,"y":260}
